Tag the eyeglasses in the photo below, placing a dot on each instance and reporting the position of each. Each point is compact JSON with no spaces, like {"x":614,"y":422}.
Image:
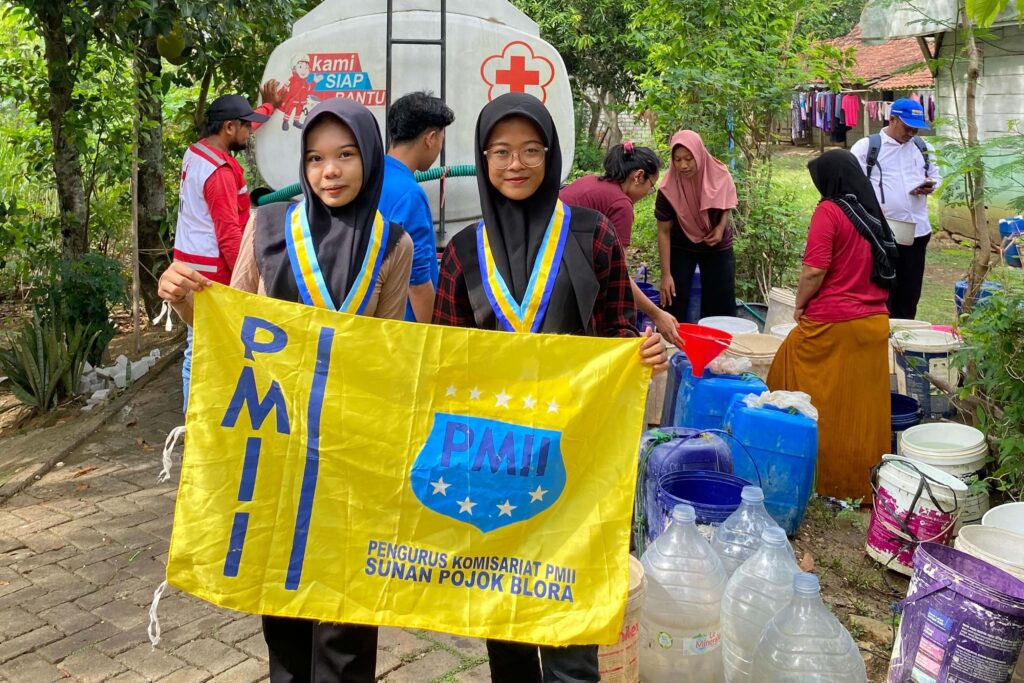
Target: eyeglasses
{"x":531,"y":157}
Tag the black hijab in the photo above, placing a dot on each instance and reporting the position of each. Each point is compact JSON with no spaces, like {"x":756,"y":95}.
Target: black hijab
{"x":840,"y":179}
{"x":515,"y":228}
{"x":340,"y":235}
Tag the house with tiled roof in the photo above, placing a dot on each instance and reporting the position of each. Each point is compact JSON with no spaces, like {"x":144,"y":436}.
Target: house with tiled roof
{"x":1000,"y":94}
{"x":879,"y":72}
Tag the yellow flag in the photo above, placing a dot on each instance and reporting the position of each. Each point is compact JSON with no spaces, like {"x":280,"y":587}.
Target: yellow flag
{"x":350,"y":469}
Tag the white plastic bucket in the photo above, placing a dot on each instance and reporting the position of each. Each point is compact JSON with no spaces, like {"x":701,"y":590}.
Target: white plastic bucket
{"x":782,"y":331}
{"x":897,"y":325}
{"x":1009,"y":516}
{"x":998,"y":547}
{"x":955,"y":448}
{"x":899,"y":479}
{"x":925,"y":351}
{"x":619,"y":662}
{"x":759,"y":349}
{"x":731,"y":324}
{"x":781,"y":306}
{"x":903,"y":231}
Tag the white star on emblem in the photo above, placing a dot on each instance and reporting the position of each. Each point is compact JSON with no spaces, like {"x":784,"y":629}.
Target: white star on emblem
{"x":529,"y":402}
{"x":450,"y":392}
{"x":538,"y":495}
{"x":474,"y":394}
{"x":506,"y":508}
{"x":552,"y":407}
{"x":466,"y":506}
{"x":441,"y":487}
{"x":501,"y":399}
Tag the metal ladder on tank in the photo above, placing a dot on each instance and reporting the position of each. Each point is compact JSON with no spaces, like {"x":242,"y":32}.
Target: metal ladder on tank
{"x":442,"y":43}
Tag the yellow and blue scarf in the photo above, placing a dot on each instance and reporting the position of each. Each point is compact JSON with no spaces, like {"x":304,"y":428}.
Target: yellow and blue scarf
{"x":306,"y":268}
{"x":528,"y":315}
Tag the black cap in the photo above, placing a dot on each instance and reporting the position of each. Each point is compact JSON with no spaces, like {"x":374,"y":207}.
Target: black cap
{"x":231,"y":107}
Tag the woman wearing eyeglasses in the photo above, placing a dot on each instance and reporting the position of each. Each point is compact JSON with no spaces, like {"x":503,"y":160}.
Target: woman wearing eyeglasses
{"x":694,"y":203}
{"x":519,"y":166}
{"x":630,"y":174}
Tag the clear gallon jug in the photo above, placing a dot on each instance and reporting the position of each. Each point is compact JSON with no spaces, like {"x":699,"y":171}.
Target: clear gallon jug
{"x":740,"y":535}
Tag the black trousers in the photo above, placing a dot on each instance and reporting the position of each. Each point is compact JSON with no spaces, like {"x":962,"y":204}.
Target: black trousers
{"x":521,"y":663}
{"x":906,"y":291}
{"x":717,"y":282}
{"x":307,"y":651}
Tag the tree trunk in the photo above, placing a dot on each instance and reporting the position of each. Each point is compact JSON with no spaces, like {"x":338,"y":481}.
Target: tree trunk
{"x":67,"y":165}
{"x":153,"y":252}
{"x":982,"y":260}
{"x":595,"y":117}
{"x":614,"y":130}
{"x":199,"y":116}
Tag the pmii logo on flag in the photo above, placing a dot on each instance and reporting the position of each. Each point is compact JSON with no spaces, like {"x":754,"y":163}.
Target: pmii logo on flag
{"x":489,"y":473}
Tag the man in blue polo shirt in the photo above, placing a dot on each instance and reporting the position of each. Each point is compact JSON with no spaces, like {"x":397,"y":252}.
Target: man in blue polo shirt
{"x":416,"y":124}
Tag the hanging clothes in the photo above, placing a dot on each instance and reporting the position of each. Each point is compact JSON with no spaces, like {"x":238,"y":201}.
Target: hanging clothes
{"x":851,"y":110}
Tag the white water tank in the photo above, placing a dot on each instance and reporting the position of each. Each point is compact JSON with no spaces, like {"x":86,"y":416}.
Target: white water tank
{"x":340,"y":50}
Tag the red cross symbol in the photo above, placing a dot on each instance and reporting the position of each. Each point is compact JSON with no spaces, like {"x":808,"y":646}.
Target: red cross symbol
{"x":517,"y":76}
{"x":517,"y":69}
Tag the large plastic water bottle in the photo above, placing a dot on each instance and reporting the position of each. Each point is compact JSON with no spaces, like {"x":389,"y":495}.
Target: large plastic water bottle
{"x":739,"y":536}
{"x":680,"y":640}
{"x":805,"y":643}
{"x":756,"y":592}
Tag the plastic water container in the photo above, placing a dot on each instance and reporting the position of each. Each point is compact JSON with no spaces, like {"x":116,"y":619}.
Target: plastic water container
{"x":713,"y":495}
{"x":1010,"y":228}
{"x":651,"y":292}
{"x":704,"y":401}
{"x":784,"y":448}
{"x":987,"y":289}
{"x":739,"y":536}
{"x":896,"y":327}
{"x":676,"y":450}
{"x":925,"y":351}
{"x":998,"y":547}
{"x":680,"y":638}
{"x":782,"y":330}
{"x":905,"y":413}
{"x":759,"y":349}
{"x":1009,"y":516}
{"x":677,"y":363}
{"x":761,"y":587}
{"x":958,"y":450}
{"x":804,"y":642}
{"x":730,"y":324}
{"x":620,"y":663}
{"x":781,"y":306}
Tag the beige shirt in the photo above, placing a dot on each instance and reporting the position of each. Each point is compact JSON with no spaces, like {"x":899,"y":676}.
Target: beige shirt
{"x":390,"y":292}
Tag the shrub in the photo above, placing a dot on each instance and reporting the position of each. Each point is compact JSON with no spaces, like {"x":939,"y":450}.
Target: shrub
{"x":85,"y":291}
{"x":993,"y":355}
{"x":44,"y":360}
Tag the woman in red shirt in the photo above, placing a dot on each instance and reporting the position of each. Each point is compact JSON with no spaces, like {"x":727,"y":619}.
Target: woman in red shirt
{"x":630,"y":174}
{"x":837,"y":353}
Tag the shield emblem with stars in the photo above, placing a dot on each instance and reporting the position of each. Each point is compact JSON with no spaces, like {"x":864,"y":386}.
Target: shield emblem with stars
{"x":488,"y":473}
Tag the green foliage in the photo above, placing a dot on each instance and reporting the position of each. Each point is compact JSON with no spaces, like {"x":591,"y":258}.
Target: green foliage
{"x":1001,"y":158}
{"x":770,"y":230}
{"x":832,"y":19}
{"x":727,"y":68}
{"x":44,"y":360}
{"x":993,"y":353}
{"x":984,"y":12}
{"x":83,"y":291}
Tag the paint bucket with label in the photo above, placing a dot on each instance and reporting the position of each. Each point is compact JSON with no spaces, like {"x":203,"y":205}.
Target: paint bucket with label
{"x":926,"y":352}
{"x":619,"y":663}
{"x":781,"y":307}
{"x":913,"y":503}
{"x":963,"y":620}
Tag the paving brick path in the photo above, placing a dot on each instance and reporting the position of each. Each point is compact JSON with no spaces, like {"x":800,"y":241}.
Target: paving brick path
{"x":82,"y":550}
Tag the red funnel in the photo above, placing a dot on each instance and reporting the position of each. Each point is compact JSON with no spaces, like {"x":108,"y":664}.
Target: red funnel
{"x":702,"y":344}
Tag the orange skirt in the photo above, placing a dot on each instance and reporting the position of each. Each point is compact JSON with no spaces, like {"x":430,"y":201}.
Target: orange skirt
{"x":845,"y":369}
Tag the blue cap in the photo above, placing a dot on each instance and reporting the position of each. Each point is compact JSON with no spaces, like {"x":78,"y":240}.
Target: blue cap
{"x":909,"y":112}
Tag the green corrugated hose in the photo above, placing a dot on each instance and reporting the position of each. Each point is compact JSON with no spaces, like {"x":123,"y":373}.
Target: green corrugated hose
{"x":458,"y":171}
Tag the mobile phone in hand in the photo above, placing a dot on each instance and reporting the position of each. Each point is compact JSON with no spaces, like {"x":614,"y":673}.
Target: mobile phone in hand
{"x":926,"y":185}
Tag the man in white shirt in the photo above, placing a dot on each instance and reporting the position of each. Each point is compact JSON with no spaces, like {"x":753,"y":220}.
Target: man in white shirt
{"x":903,"y":172}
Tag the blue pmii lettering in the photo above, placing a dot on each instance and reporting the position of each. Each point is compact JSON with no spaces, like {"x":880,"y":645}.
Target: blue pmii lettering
{"x":515,"y":452}
{"x":246,"y":394}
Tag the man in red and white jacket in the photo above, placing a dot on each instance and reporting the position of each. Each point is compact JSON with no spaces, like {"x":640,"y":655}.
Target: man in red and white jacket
{"x":213,"y":204}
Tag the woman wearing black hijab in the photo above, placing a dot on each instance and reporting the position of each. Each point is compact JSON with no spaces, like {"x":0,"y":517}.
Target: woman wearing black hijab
{"x":579,"y":286}
{"x":331,"y":250}
{"x":838,"y":351}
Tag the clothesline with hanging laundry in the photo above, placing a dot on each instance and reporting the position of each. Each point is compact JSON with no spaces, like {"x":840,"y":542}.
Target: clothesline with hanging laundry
{"x":836,"y":112}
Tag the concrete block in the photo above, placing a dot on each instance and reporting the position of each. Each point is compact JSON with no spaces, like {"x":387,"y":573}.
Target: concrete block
{"x":101,"y":395}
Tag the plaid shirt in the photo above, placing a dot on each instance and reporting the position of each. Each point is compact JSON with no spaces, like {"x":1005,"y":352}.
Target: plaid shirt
{"x":614,"y":310}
